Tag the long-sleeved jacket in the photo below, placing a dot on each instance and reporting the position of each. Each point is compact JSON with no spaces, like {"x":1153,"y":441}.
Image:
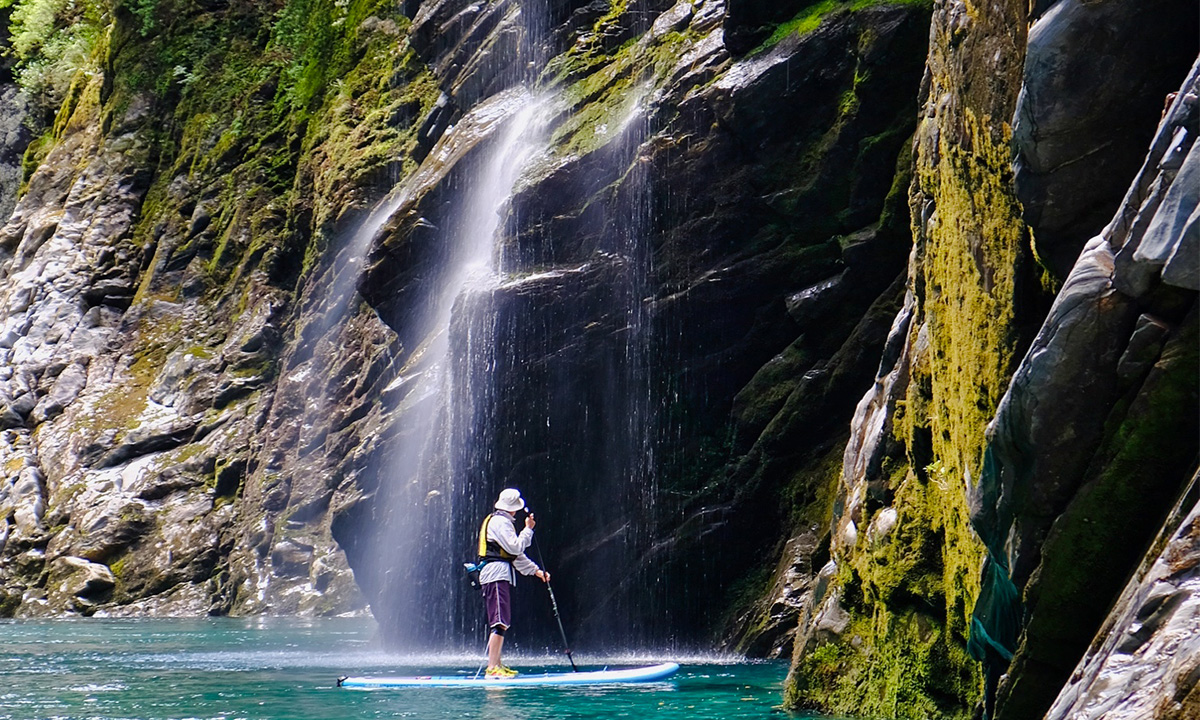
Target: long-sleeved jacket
{"x":505,"y":535}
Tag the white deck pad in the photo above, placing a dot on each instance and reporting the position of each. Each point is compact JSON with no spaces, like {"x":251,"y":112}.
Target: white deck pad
{"x":649,"y":673}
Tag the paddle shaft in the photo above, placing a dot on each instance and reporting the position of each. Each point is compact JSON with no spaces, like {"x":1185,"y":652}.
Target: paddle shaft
{"x":554,"y":605}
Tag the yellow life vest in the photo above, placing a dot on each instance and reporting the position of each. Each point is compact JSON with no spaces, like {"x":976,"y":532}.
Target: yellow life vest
{"x":490,"y":550}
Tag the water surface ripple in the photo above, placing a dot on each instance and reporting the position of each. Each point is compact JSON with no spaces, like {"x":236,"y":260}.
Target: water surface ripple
{"x":285,"y":669}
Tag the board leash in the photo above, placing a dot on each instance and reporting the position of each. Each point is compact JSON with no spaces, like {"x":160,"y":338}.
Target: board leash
{"x":485,"y":640}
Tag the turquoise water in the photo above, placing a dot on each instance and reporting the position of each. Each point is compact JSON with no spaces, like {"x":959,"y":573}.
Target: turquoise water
{"x":285,"y":669}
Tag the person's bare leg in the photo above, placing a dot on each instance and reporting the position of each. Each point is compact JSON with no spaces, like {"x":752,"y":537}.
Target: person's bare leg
{"x":495,"y":645}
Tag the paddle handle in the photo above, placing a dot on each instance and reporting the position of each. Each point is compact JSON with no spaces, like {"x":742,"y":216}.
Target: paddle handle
{"x":554,"y":605}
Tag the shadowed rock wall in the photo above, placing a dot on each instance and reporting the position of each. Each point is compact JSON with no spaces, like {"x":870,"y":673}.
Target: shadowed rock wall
{"x":736,"y":216}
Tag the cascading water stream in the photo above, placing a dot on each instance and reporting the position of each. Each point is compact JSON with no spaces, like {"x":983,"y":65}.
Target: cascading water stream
{"x":442,"y":409}
{"x":524,"y":371}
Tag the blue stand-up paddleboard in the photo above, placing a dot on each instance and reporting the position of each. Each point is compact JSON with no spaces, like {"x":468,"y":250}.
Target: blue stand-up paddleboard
{"x":595,"y":677}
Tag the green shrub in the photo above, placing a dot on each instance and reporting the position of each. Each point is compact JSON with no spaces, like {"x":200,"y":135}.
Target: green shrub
{"x":53,"y":41}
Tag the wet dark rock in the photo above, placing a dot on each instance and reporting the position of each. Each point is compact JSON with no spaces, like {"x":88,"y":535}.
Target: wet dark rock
{"x":814,"y":301}
{"x":456,"y":38}
{"x":18,"y":126}
{"x":1145,"y":345}
{"x":1069,"y":522}
{"x":1034,"y":465}
{"x":407,"y":259}
{"x":1095,"y":79}
{"x":778,"y":612}
{"x":1146,"y":196}
{"x":749,"y":22}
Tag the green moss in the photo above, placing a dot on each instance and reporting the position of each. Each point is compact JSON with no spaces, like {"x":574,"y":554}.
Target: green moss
{"x":118,"y":568}
{"x":600,"y":101}
{"x":589,"y":51}
{"x":811,"y":17}
{"x":202,"y":352}
{"x":611,"y":87}
{"x":122,"y":405}
{"x":895,"y":211}
{"x":1046,"y":278}
{"x":811,"y":492}
{"x":35,"y":152}
{"x":286,"y":115}
{"x":258,"y":370}
{"x":973,"y":250}
{"x":56,"y":45}
{"x":895,"y":666}
{"x":180,"y":456}
{"x":910,"y":594}
{"x":10,"y":602}
{"x":63,"y":495}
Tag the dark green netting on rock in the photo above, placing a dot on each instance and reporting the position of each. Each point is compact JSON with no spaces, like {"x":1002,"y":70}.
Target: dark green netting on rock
{"x":995,"y":622}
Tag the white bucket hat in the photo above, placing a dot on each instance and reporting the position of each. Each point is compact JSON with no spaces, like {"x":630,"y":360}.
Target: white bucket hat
{"x":510,"y":500}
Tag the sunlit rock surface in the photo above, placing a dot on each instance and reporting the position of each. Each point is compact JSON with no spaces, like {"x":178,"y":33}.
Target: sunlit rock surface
{"x":1146,"y":662}
{"x":1082,"y":459}
{"x":1095,"y":78}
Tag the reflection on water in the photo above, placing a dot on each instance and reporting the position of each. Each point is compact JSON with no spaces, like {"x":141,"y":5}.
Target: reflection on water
{"x":276,"y":668}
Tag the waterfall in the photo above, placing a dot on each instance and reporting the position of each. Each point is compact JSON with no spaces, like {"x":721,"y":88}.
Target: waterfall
{"x":435,"y":466}
{"x":556,"y":361}
{"x":434,"y":463}
{"x":522,"y":369}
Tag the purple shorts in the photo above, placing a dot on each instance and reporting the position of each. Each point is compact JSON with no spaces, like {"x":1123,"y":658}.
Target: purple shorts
{"x":496,"y":598}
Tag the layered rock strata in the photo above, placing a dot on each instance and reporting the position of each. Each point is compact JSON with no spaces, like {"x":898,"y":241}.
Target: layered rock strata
{"x":150,"y":287}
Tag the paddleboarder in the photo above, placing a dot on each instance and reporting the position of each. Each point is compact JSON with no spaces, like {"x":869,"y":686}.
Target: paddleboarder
{"x":502,"y":553}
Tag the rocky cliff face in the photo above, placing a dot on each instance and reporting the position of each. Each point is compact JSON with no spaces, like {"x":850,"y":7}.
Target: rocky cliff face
{"x":958,"y":442}
{"x":1141,"y":662}
{"x":206,"y":404}
{"x":249,"y":368}
{"x":154,"y":272}
{"x":672,"y":242}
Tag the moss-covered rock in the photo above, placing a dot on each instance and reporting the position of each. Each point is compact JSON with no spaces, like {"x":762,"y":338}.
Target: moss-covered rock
{"x":908,"y":559}
{"x":226,"y":138}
